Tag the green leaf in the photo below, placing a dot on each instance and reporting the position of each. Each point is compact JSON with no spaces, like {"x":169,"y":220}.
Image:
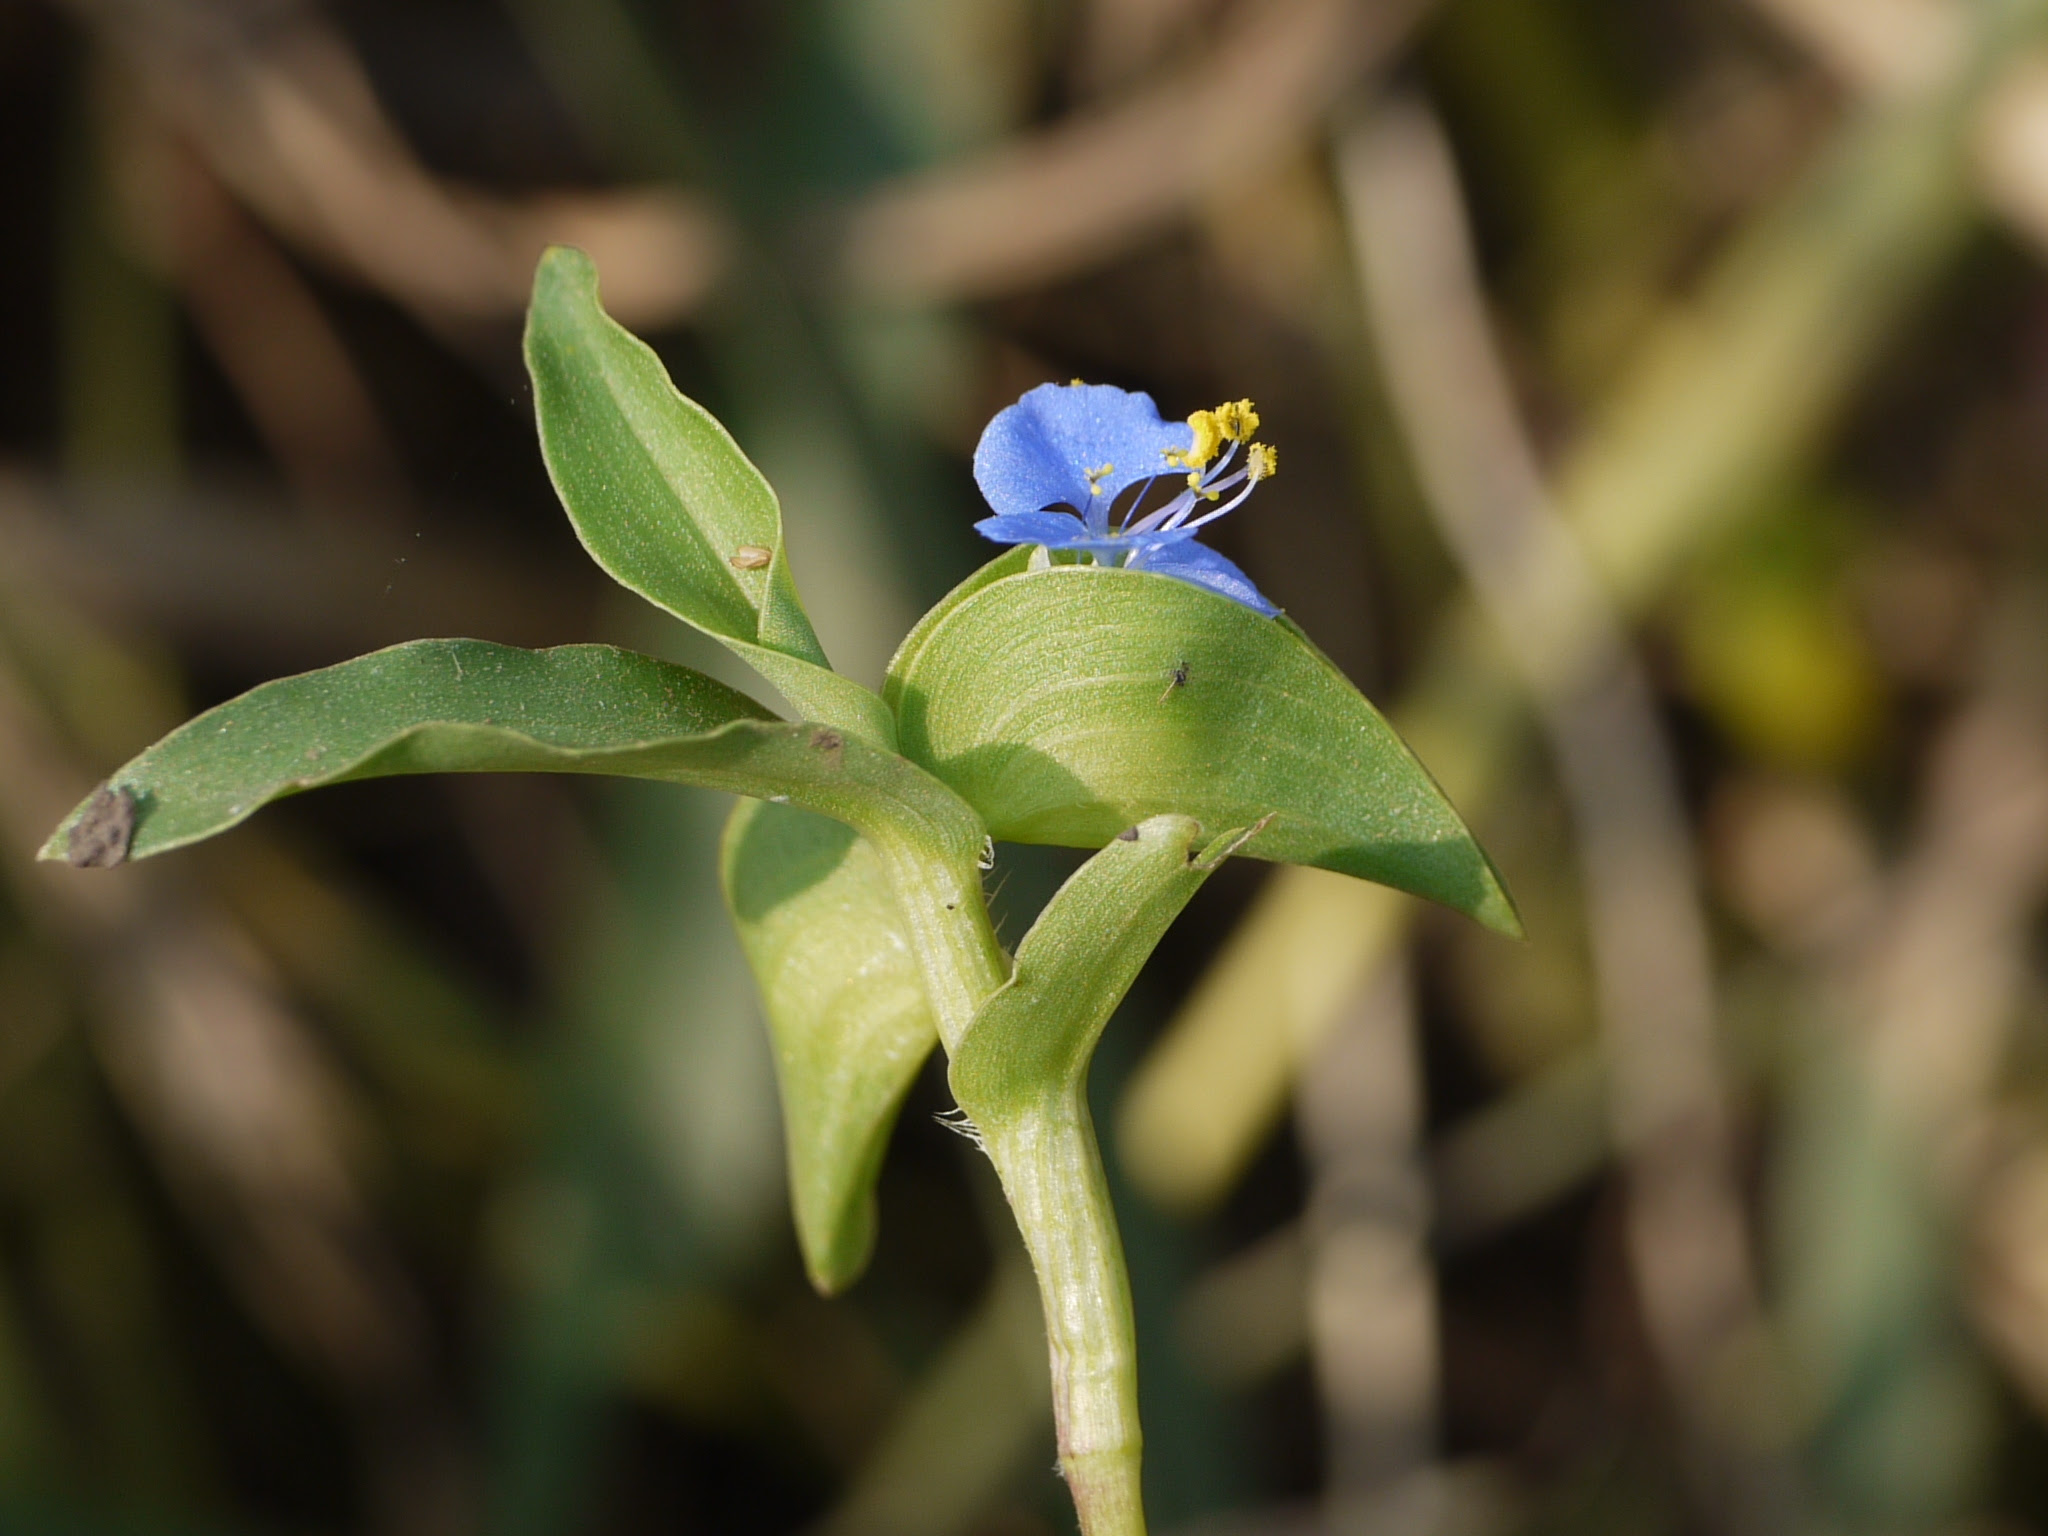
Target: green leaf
{"x":1031,"y":1041}
{"x":846,"y":1011}
{"x":664,"y":500}
{"x":468,"y":706}
{"x":1064,"y":704}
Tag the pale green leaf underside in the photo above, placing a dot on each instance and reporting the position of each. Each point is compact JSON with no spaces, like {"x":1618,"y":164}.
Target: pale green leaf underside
{"x":663,"y":498}
{"x":469,"y":706}
{"x":1033,"y":1038}
{"x":1068,"y":703}
{"x":846,"y":1011}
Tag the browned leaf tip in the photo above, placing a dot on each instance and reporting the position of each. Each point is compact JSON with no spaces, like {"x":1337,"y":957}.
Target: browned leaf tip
{"x":100,"y":837}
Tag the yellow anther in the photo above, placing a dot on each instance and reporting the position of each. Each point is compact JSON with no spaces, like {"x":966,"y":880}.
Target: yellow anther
{"x":1208,"y":438}
{"x":1261,"y":462}
{"x":1236,"y":420}
{"x":1074,"y":384}
{"x":1095,"y":478}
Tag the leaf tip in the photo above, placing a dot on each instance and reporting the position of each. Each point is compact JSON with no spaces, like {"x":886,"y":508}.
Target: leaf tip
{"x":99,"y":834}
{"x":565,"y":264}
{"x":1496,"y":909}
{"x":1211,"y":858}
{"x":564,"y":282}
{"x":836,"y":1252}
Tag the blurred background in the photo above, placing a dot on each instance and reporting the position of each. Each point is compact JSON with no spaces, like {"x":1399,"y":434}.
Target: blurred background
{"x":1662,"y":394}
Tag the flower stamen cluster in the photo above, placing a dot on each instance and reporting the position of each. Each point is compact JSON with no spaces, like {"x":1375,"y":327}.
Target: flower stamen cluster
{"x":1222,"y":429}
{"x":1056,"y":466}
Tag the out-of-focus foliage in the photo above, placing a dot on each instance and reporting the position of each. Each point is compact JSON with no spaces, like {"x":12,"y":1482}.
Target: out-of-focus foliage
{"x":1662,"y":386}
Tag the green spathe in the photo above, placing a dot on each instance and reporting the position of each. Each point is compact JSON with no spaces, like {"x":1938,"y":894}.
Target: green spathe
{"x":1069,"y":702}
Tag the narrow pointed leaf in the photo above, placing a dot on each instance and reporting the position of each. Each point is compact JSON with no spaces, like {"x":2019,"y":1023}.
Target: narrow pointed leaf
{"x":1033,"y":1038}
{"x":664,"y":499}
{"x":846,"y":1011}
{"x":468,"y":706}
{"x":1067,"y":703}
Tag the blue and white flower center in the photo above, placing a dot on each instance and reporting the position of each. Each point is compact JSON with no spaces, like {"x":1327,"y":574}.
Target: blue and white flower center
{"x":1212,"y":470}
{"x":1092,"y":473}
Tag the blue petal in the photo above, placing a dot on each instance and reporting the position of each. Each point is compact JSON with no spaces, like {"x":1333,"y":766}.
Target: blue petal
{"x":1055,"y":530}
{"x":1037,"y":453}
{"x":1200,"y":564}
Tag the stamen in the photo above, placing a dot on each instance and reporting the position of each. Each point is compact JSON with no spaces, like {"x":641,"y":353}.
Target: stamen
{"x":1210,"y":485}
{"x":1209,"y":436}
{"x":1229,"y":506}
{"x":1237,"y":420}
{"x":1171,"y":514}
{"x":1214,"y":489}
{"x":1134,"y":515}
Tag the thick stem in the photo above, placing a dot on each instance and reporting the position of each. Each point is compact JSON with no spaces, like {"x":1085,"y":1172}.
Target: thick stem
{"x":956,"y":946}
{"x":1043,"y":1146}
{"x":1052,"y":1173}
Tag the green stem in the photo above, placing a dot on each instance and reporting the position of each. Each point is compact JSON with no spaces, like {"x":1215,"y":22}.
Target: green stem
{"x":1051,"y":1170}
{"x":1052,"y":1175}
{"x":1019,"y":1048}
{"x":957,"y":950}
{"x":1020,"y":1070}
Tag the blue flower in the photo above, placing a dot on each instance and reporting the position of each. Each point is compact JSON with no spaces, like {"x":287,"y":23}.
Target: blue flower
{"x":1055,"y":467}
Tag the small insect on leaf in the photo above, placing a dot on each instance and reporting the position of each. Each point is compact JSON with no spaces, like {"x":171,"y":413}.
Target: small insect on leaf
{"x":100,"y":837}
{"x":1177,"y":678}
{"x":750,"y":557}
